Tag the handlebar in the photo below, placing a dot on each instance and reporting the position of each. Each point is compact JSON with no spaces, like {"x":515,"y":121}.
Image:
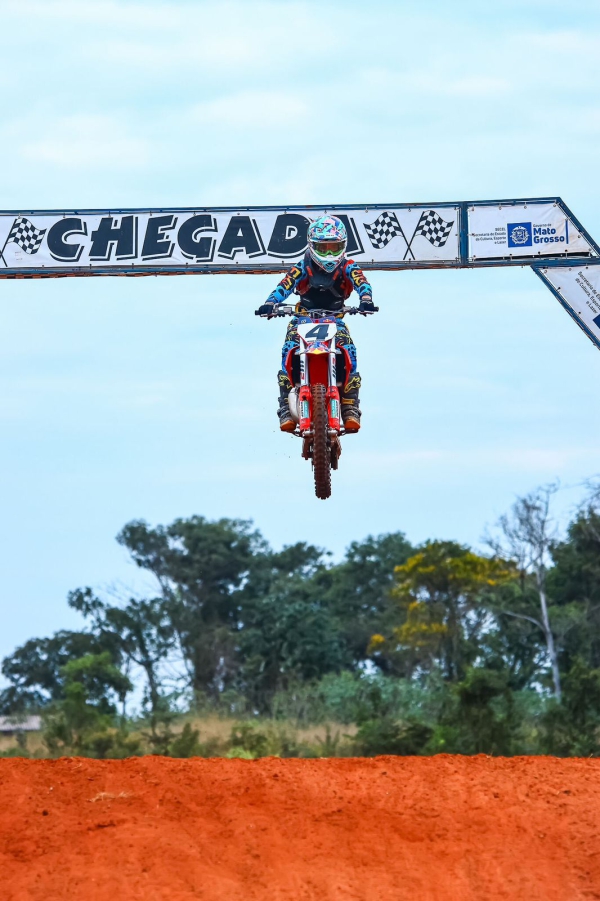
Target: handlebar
{"x":282,"y":310}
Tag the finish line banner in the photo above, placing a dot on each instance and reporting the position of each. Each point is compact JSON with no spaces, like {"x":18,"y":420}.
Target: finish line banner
{"x":219,"y":240}
{"x":269,"y":239}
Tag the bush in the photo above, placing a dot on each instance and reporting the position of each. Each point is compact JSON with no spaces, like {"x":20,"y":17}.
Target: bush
{"x":481,"y":716}
{"x":356,"y":697}
{"x":247,"y":740}
{"x":16,"y":751}
{"x":187,"y":743}
{"x":572,"y":728}
{"x":386,"y":736}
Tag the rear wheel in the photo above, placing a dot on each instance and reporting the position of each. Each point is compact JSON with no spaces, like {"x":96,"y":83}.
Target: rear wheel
{"x":321,"y":454}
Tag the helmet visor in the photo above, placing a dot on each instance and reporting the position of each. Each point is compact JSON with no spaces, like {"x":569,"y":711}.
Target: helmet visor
{"x":329,"y":248}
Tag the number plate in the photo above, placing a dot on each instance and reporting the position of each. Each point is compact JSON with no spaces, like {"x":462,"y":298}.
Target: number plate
{"x":317,"y":331}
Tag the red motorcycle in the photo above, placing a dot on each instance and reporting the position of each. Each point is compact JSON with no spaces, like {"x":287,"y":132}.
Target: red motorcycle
{"x":315,"y":397}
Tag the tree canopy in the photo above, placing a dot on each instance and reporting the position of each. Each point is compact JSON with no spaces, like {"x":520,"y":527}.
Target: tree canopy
{"x":484,"y":640}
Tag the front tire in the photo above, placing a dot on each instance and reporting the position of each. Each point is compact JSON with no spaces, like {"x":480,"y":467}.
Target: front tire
{"x":321,"y":454}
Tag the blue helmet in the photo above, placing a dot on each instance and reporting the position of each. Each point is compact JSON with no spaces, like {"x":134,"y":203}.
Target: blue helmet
{"x":327,"y":240}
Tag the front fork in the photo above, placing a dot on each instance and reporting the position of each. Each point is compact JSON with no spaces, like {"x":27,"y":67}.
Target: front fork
{"x":305,"y":404}
{"x":333,"y":407}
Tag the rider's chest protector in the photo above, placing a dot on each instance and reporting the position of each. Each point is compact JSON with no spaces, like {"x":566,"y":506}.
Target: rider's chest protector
{"x":320,"y":289}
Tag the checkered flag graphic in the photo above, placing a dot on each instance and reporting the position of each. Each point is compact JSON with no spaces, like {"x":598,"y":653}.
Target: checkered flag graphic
{"x":433,"y":227}
{"x":26,"y":235}
{"x":383,"y":230}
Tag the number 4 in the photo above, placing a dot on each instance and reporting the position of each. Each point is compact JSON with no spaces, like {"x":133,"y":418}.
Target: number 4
{"x":318,"y":332}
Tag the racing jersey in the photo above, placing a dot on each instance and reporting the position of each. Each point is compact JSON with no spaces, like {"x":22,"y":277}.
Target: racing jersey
{"x":319,"y":289}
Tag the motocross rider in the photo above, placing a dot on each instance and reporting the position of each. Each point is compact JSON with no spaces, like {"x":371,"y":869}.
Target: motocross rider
{"x":324,"y":279}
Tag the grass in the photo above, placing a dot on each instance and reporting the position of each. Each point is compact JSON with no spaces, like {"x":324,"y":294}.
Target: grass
{"x":221,"y":736}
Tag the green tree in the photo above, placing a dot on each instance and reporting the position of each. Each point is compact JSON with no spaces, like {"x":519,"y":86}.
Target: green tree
{"x":143,"y":632}
{"x":572,"y":728}
{"x":357,"y":590}
{"x":83,"y":721}
{"x":289,"y":636}
{"x":527,"y":535}
{"x":513,"y":643}
{"x":201,"y":568}
{"x":439,"y":595}
{"x":574,"y":586}
{"x":35,"y":671}
{"x":555,"y":597}
{"x":483,"y":718}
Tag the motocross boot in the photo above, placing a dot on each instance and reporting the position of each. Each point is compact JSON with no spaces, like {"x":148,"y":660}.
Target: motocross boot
{"x":286,"y":421}
{"x":351,"y":415}
{"x":350,"y":405}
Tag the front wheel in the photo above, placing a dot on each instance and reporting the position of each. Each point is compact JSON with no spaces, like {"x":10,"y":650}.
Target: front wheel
{"x":321,"y":454}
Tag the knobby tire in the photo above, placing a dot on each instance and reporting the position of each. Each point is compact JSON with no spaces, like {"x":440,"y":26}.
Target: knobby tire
{"x":321,"y":454}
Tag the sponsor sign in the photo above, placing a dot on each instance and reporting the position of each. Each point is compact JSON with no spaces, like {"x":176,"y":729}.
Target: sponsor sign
{"x":523,"y":230}
{"x":218,"y":240}
{"x":578,"y":289}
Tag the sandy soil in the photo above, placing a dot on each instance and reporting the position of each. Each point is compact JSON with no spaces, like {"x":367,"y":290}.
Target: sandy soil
{"x":426,"y":829}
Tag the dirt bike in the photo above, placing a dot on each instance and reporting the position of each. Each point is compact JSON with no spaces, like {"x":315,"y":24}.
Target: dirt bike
{"x":315,"y":398}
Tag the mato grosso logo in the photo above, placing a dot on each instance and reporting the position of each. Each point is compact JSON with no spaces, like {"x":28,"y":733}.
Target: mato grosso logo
{"x":526,"y":234}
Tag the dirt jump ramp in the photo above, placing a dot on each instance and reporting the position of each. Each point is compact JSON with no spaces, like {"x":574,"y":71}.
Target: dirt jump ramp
{"x":385,"y":829}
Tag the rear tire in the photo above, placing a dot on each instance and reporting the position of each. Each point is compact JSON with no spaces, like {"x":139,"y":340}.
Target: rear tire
{"x":321,"y":453}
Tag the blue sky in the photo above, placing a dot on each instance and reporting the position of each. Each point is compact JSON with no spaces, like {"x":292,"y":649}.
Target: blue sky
{"x":156,"y":398}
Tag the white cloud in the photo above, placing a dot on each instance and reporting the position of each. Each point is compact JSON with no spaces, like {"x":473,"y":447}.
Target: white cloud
{"x":230,"y":35}
{"x":86,"y":141}
{"x":542,"y":462}
{"x":578,"y":43}
{"x":473,"y":86}
{"x":250,"y":109}
{"x":107,"y":13}
{"x":264,"y":187}
{"x":433,"y":81}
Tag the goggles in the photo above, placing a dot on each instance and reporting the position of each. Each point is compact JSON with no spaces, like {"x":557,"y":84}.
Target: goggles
{"x":329,"y":248}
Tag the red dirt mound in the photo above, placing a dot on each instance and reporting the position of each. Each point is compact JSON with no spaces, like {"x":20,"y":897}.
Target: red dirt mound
{"x":387,"y":829}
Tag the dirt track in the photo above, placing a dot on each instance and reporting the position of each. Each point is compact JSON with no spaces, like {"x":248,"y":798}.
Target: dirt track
{"x":426,"y":829}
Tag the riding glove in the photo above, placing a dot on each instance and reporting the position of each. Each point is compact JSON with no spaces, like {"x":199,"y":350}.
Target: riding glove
{"x":366,"y":305}
{"x":267,"y":308}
